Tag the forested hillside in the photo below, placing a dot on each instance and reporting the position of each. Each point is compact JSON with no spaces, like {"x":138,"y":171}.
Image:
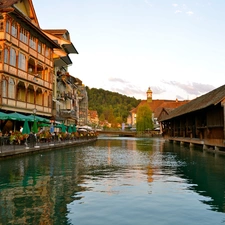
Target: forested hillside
{"x":110,"y":106}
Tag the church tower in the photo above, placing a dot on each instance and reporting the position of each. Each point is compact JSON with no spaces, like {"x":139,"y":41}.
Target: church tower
{"x":149,"y":95}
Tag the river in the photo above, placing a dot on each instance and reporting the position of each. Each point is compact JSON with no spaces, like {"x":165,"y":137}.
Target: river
{"x":116,"y":180}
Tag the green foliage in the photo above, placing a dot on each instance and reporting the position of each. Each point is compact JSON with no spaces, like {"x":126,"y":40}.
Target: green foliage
{"x":144,"y":118}
{"x":110,"y":106}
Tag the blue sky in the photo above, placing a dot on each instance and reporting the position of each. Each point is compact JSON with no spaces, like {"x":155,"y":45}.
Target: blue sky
{"x":177,"y":48}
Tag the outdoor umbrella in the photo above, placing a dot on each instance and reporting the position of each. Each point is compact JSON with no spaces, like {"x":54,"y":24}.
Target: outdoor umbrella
{"x":70,"y":130}
{"x":26,"y":128}
{"x":33,"y":117}
{"x":63,"y":128}
{"x":43,"y":125}
{"x":17,"y":116}
{"x":34,"y":127}
{"x":3,"y":116}
{"x":58,"y":126}
{"x":74,"y":128}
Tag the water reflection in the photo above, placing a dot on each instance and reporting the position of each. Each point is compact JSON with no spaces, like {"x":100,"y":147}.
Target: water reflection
{"x":68,"y":186}
{"x":205,"y":171}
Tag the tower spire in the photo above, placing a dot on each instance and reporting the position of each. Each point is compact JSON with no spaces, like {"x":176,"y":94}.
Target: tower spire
{"x":149,"y":95}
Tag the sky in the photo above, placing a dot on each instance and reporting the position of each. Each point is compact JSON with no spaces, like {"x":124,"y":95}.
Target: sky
{"x":177,"y":48}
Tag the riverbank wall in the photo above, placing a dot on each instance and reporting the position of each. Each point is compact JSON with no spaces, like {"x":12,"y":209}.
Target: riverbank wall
{"x":7,"y":151}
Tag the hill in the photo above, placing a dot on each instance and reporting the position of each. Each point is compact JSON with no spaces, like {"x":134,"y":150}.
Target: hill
{"x":110,"y":106}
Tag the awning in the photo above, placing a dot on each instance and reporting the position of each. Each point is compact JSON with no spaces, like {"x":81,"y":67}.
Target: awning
{"x":62,"y":61}
{"x":70,"y":48}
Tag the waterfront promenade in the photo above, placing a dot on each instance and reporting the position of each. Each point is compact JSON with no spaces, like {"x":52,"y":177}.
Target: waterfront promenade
{"x":10,"y":150}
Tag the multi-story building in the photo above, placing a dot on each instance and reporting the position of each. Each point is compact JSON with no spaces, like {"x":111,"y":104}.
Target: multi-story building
{"x":83,"y":105}
{"x":34,"y":67}
{"x":26,"y":61}
{"x":65,"y":86}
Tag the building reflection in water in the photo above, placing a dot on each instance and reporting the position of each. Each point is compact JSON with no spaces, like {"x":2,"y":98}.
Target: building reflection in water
{"x":39,"y":187}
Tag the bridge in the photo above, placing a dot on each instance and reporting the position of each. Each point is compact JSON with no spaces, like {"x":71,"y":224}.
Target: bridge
{"x":120,"y":133}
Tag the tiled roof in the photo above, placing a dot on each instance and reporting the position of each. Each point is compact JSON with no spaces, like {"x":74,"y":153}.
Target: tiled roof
{"x":156,"y":106}
{"x":212,"y":98}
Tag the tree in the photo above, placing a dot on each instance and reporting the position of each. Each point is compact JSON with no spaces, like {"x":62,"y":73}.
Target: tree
{"x":103,"y":101}
{"x":144,"y":118}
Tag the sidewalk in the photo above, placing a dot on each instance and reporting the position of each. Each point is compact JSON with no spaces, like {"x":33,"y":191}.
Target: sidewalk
{"x":13,"y":150}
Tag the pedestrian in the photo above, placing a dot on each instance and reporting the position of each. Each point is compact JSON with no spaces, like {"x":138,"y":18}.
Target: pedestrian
{"x":21,"y":129}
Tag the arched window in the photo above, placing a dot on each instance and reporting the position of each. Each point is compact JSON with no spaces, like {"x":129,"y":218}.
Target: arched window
{"x":45,"y":98}
{"x":11,"y":89}
{"x":4,"y":88}
{"x":30,"y":94}
{"x":21,"y":91}
{"x":39,"y":96}
{"x":12,"y":57}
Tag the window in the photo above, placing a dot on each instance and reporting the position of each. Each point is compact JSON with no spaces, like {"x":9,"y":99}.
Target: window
{"x":22,"y":61}
{"x":14,"y":29}
{"x":11,"y":89}
{"x":32,"y":42}
{"x":12,"y":57}
{"x":39,"y":47}
{"x":1,"y":25}
{"x":23,"y":35}
{"x":4,"y":88}
{"x":6,"y":55}
{"x":45,"y":98}
{"x":47,"y":52}
{"x":43,"y":49}
{"x":7,"y":26}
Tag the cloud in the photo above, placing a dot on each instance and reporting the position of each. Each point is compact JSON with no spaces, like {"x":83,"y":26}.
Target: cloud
{"x":178,"y":11}
{"x":189,"y":13}
{"x":174,"y":5}
{"x":115,"y":79}
{"x":148,"y":3}
{"x":194,"y":88}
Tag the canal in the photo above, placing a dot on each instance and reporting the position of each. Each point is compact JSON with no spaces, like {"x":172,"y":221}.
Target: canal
{"x":115,"y":180}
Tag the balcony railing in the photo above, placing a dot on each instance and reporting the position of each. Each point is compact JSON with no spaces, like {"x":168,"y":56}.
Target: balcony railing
{"x":66,"y":113}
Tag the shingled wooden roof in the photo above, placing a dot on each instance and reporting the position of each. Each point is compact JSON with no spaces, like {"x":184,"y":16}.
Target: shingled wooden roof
{"x":7,"y":3}
{"x":212,"y":98}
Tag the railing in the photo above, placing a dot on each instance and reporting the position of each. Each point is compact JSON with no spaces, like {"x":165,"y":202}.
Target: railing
{"x":9,"y":148}
{"x":67,"y":114}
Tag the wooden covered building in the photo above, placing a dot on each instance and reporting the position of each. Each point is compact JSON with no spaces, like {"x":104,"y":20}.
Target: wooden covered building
{"x":201,"y":121}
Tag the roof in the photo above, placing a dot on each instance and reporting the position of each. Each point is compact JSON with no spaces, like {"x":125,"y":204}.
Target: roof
{"x":157,"y":105}
{"x":63,"y":34}
{"x":212,"y":98}
{"x":7,"y":3}
{"x":57,"y":32}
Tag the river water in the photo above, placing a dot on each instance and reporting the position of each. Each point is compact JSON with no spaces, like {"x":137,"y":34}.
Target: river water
{"x":122,"y":181}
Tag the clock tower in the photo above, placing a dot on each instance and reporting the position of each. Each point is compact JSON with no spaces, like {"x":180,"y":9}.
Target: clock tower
{"x":149,"y":95}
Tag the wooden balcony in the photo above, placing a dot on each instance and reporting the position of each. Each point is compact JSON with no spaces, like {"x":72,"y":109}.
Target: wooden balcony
{"x":66,"y":114}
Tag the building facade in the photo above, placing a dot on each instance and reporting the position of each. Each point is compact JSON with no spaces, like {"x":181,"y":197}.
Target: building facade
{"x":34,"y":67}
{"x":201,"y":121}
{"x":26,"y":61}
